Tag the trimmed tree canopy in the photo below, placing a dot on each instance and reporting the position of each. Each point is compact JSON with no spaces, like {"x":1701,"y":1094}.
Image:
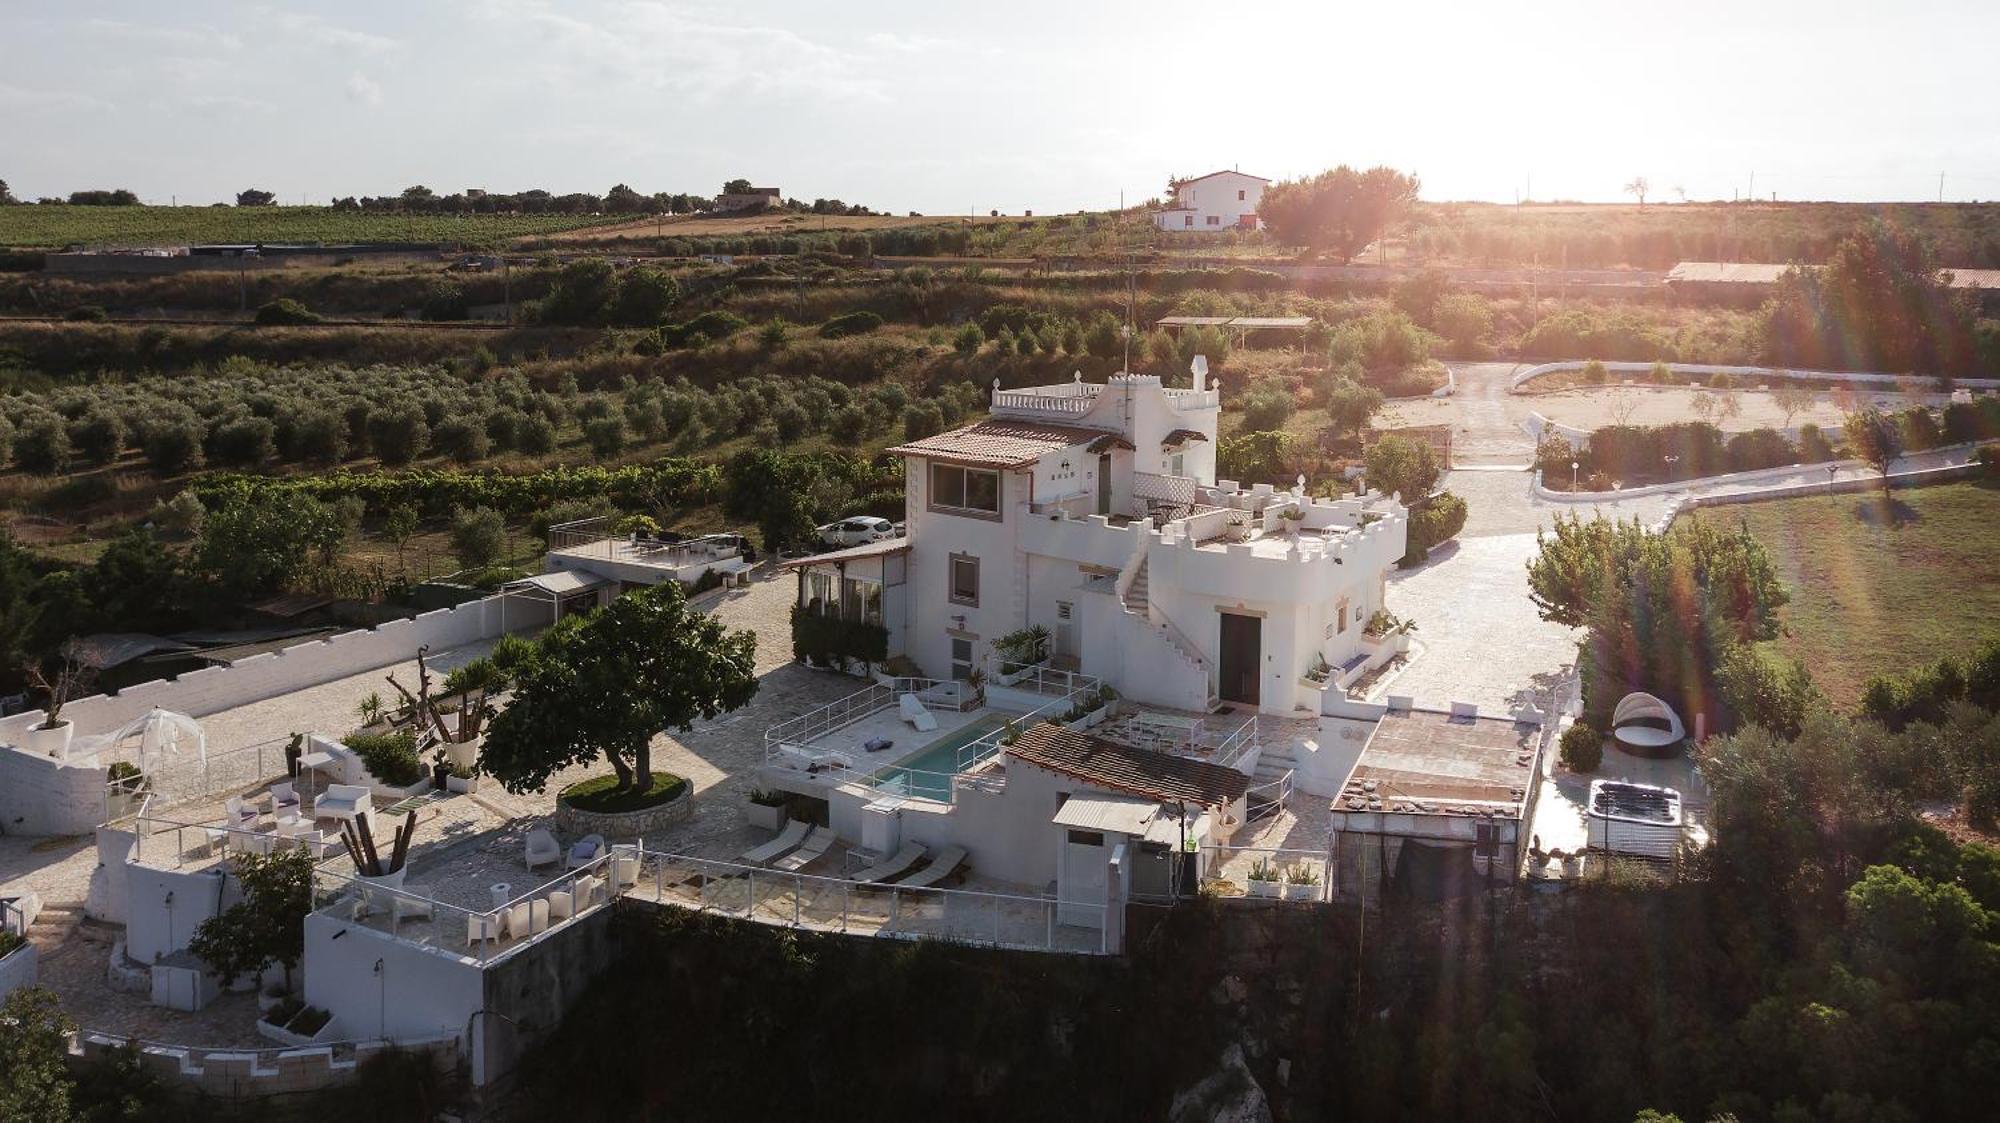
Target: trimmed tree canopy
{"x":608,"y":682}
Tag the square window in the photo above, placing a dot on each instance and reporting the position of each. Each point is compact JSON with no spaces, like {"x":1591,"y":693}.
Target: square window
{"x":965,"y":489}
{"x":965,"y":579}
{"x":1086,"y":838}
{"x":1215,"y":220}
{"x":1187,"y":220}
{"x":1239,"y":196}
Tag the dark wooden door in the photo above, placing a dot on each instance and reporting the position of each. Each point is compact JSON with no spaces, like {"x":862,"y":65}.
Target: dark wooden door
{"x":1104,"y":483}
{"x":1242,"y":653}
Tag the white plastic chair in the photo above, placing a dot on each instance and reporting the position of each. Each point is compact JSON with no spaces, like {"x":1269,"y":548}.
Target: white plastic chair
{"x":542,"y":849}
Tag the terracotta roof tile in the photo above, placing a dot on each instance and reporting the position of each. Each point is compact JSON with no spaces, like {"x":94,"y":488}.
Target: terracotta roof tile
{"x":1140,"y":772}
{"x":999,"y":443}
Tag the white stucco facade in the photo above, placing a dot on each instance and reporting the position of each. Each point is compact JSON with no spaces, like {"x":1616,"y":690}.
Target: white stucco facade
{"x":1215,"y":202}
{"x":1097,"y":515}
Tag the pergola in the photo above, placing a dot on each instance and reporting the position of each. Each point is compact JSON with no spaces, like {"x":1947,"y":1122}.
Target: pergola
{"x":1241,"y":325}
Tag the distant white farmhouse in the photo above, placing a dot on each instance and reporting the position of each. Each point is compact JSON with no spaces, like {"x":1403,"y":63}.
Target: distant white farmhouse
{"x":1216,"y":201}
{"x":1093,"y":510}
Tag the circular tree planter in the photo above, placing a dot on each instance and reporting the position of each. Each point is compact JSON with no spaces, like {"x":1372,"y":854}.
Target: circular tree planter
{"x":594,"y":806}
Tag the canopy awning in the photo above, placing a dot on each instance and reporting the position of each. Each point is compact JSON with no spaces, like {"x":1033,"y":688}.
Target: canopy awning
{"x":556,"y":584}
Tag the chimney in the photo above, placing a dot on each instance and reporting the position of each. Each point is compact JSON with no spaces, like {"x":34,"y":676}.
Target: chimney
{"x":1200,"y":369}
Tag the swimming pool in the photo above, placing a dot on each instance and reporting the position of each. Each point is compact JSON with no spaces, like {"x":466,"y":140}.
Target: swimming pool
{"x":928,"y":773}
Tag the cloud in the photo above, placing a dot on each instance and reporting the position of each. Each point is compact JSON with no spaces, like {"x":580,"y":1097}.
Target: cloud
{"x":364,"y":89}
{"x":906,"y":44}
{"x":169,"y":36}
{"x":315,"y":30}
{"x":21,"y":97}
{"x":665,"y":47}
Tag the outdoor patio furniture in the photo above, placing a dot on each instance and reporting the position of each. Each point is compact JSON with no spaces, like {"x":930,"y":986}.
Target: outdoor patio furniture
{"x":584,"y":851}
{"x":562,"y":905}
{"x":538,"y":916}
{"x":517,"y":921}
{"x":283,"y":798}
{"x":878,"y":744}
{"x":812,"y":850}
{"x":898,"y":864}
{"x":624,"y":871}
{"x":586,"y":891}
{"x":404,"y":907}
{"x":343,"y":801}
{"x":948,"y":862}
{"x":1645,"y":723}
{"x":913,"y":711}
{"x":242,"y":816}
{"x":481,"y":926}
{"x":542,"y":849}
{"x":787,"y":840}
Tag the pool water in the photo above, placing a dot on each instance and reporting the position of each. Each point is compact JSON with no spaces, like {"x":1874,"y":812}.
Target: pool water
{"x":928,"y":773}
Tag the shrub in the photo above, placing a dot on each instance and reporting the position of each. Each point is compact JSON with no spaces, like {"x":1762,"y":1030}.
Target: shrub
{"x":99,"y":435}
{"x":601,"y":795}
{"x":1581,"y":748}
{"x":42,"y":445}
{"x":1267,"y":406}
{"x":244,"y":442}
{"x":478,"y":537}
{"x":181,"y":516}
{"x":284,"y":312}
{"x":1814,"y":448}
{"x":172,"y":442}
{"x":824,"y":641}
{"x":535,"y":435}
{"x":389,"y":757}
{"x":1920,"y":429}
{"x":852,"y":323}
{"x":1760,"y":448}
{"x":1596,"y":373}
{"x":318,"y":436}
{"x":463,"y":440}
{"x":922,"y":419}
{"x":445,"y":301}
{"x":968,"y":339}
{"x":398,"y":431}
{"x":1437,"y":521}
{"x":606,"y":435}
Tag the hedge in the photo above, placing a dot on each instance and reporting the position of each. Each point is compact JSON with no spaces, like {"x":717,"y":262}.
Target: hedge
{"x":439,"y":491}
{"x":1438,"y":520}
{"x":824,"y":641}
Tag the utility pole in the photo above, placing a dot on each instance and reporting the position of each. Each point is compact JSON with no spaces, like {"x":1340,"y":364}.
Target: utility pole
{"x":1940,"y":187}
{"x":1752,"y":193}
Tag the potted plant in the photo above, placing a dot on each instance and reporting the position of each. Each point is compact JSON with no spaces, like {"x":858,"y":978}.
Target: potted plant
{"x":766,"y":809}
{"x":463,"y":780}
{"x":975,"y":681}
{"x":1263,"y":878}
{"x":1020,"y":652}
{"x":370,"y":865}
{"x":370,"y":709}
{"x":1107,"y":704}
{"x":294,"y":749}
{"x":1293,"y":518}
{"x":1301,"y":883}
{"x":51,"y":737}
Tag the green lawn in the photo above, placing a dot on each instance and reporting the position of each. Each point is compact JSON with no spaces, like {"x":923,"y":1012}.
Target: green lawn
{"x":57,"y":226}
{"x":1873,"y":596}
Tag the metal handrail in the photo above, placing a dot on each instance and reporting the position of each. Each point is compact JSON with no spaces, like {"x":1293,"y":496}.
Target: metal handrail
{"x":1240,"y":741}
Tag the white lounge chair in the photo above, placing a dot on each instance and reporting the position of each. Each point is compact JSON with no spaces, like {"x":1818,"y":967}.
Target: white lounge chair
{"x":343,"y":801}
{"x":787,"y":840}
{"x":898,"y":864}
{"x":242,"y":816}
{"x":562,"y":905}
{"x":283,"y":798}
{"x":542,"y":849}
{"x":912,"y":709}
{"x":481,"y":926}
{"x":812,"y":850}
{"x":404,"y":907}
{"x":943,"y":866}
{"x":584,"y":851}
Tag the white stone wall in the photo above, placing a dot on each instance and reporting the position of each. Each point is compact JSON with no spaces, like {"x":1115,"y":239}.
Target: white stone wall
{"x":18,"y":969}
{"x":417,"y":991}
{"x":40,"y":796}
{"x":164,"y":907}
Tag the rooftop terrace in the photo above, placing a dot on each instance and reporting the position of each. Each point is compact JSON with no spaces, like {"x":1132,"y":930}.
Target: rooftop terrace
{"x":1419,"y":761}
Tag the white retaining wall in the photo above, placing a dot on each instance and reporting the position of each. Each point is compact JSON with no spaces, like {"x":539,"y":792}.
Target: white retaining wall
{"x":19,"y":968}
{"x":45,"y":797}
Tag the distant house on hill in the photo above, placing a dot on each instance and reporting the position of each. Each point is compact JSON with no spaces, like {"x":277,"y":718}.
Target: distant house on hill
{"x":753,"y":199}
{"x":1216,"y":201}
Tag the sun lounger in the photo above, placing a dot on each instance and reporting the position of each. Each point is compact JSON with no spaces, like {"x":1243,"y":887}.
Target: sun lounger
{"x":814,"y":848}
{"x":787,"y":840}
{"x":913,"y":712}
{"x":947,"y":863}
{"x":898,"y":864}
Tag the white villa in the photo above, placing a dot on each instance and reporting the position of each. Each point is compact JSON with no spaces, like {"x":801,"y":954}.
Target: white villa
{"x":1093,"y":511}
{"x":1216,"y":201}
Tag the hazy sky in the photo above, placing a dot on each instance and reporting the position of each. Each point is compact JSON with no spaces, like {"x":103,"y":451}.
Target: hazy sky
{"x":944,"y":106}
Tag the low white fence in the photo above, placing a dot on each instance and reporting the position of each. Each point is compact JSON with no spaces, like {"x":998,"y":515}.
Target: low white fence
{"x":1858,"y":378}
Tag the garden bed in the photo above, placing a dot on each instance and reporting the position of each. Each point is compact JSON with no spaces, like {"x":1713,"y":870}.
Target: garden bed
{"x":595,"y":806}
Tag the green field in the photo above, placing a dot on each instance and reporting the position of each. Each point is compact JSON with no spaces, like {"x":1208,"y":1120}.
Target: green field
{"x":1871,"y":596}
{"x":52,"y":227}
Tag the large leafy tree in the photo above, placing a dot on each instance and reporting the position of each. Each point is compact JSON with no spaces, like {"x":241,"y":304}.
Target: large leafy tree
{"x":1873,"y":437}
{"x":34,"y":1049}
{"x":1337,"y":212}
{"x":262,"y":542}
{"x":605,"y":684}
{"x":1879,"y":303}
{"x":1403,"y":466}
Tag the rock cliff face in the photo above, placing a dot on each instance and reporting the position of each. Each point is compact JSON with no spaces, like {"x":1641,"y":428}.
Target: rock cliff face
{"x":1228,"y":1095}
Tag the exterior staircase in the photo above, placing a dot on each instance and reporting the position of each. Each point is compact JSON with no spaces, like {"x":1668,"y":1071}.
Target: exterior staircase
{"x":1138,"y":603}
{"x":1268,"y":791}
{"x":54,"y":925}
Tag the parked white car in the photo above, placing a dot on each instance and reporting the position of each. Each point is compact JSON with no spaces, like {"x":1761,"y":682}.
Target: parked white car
{"x":857,"y":531}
